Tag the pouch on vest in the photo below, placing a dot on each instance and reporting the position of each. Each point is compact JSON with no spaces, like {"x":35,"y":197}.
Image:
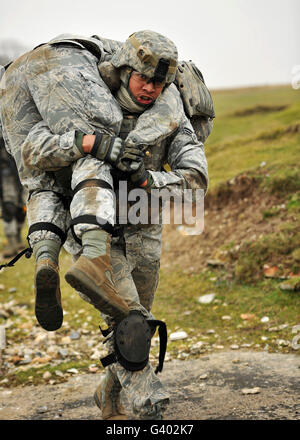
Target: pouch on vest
{"x":132,"y":342}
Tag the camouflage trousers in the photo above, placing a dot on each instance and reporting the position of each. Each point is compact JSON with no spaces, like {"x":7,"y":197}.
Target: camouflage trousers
{"x":135,"y":257}
{"x":58,"y":206}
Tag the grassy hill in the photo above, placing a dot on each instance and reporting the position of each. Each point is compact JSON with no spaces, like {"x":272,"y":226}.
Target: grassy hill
{"x":249,"y":248}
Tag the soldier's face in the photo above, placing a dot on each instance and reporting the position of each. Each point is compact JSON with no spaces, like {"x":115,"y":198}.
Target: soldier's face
{"x":143,"y":89}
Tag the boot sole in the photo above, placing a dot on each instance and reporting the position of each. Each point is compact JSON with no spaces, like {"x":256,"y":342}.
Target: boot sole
{"x":85,"y":285}
{"x":48,"y":311}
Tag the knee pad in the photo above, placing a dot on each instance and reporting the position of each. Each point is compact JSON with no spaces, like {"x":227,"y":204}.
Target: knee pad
{"x":132,"y":342}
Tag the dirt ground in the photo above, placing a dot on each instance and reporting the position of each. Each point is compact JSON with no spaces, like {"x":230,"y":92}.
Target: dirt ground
{"x":209,"y":388}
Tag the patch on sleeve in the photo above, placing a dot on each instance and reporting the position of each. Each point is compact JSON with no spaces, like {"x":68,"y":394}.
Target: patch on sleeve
{"x":187,"y":131}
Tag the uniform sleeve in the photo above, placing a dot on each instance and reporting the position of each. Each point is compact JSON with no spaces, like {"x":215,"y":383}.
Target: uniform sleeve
{"x":45,"y":151}
{"x":187,"y":161}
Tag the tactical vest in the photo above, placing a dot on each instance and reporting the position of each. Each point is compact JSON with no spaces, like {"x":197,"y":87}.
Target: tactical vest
{"x":155,"y":155}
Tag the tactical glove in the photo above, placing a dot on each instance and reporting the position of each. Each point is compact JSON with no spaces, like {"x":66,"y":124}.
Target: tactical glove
{"x":113,"y":150}
{"x":141,"y":177}
{"x":107,"y":147}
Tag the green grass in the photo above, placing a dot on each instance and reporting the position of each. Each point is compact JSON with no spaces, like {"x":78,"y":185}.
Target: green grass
{"x":178,"y":294}
{"x":239,"y":144}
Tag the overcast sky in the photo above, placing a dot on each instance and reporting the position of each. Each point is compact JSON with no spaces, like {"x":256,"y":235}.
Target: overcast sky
{"x":233,"y":42}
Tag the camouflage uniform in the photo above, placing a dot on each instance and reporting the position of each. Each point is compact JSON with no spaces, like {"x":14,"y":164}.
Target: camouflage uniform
{"x":167,"y":136}
{"x":59,"y":86}
{"x":12,"y":201}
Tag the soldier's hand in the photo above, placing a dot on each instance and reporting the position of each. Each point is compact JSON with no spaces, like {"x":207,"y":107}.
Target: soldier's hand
{"x":106,"y":147}
{"x":88,"y":142}
{"x":140,"y":177}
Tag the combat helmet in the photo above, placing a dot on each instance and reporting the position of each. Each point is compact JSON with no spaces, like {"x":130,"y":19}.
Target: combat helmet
{"x":149,"y":53}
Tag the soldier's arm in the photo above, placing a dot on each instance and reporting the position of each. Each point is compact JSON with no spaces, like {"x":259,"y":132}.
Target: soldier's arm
{"x":186,"y":157}
{"x":43,"y":150}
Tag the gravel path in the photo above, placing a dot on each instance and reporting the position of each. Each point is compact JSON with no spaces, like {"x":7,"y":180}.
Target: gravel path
{"x":222,"y":386}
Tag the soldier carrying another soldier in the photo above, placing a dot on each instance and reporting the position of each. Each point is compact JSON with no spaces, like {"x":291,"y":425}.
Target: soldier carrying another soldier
{"x":99,"y":137}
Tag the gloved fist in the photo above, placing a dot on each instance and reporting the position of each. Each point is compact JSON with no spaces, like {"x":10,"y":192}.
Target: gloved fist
{"x":140,"y":177}
{"x":108,"y":148}
{"x":129,"y":160}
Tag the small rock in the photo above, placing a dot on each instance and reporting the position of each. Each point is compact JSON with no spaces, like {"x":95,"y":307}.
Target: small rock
{"x":73,"y":371}
{"x":41,"y":339}
{"x":234,"y":347}
{"x":42,"y":409}
{"x":59,"y":373}
{"x":63,"y":352}
{"x":74,"y":335}
{"x":265,"y":319}
{"x":198,"y":347}
{"x":178,"y":335}
{"x":254,"y":390}
{"x":203,"y":376}
{"x":182,"y":355}
{"x":12,"y":290}
{"x":215,"y":263}
{"x":273,"y":329}
{"x":283,"y":343}
{"x":66,"y":340}
{"x":235,"y":361}
{"x":47,"y":375}
{"x":270,"y":272}
{"x":2,"y":287}
{"x":41,"y":360}
{"x":26,"y":360}
{"x":206,"y":299}
{"x":247,"y":316}
{"x":293,"y":284}
{"x":226,"y":317}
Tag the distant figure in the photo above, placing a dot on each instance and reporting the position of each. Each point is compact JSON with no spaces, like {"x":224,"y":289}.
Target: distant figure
{"x":12,"y":203}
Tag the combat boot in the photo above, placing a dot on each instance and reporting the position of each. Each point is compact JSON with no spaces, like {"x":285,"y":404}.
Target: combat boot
{"x":107,"y":398}
{"x":12,"y":247}
{"x":94,"y":278}
{"x":48,"y":308}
